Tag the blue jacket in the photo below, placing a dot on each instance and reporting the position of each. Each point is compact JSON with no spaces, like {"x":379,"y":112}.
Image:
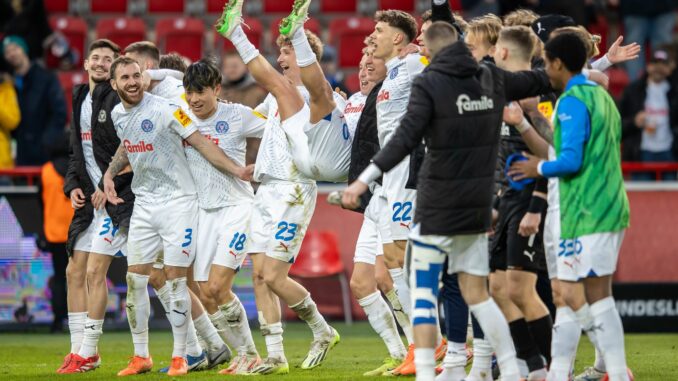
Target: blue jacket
{"x":43,"y":115}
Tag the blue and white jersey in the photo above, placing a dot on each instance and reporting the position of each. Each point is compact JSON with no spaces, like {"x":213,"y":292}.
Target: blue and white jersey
{"x":152,"y":133}
{"x":394,"y":95}
{"x":228,"y":128}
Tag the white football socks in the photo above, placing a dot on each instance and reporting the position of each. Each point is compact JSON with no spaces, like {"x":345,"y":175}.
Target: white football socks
{"x":237,"y":324}
{"x":564,"y":342}
{"x":497,"y":332}
{"x":481,"y":369}
{"x":243,"y":45}
{"x":399,"y":297}
{"x":454,"y":363}
{"x":179,"y":314}
{"x":381,"y":319}
{"x":307,"y":311}
{"x":93,"y":331}
{"x":207,"y":332}
{"x":76,"y":326}
{"x":138,"y":312}
{"x":425,"y":363}
{"x":610,"y":336}
{"x":273,"y":337}
{"x":302,"y":49}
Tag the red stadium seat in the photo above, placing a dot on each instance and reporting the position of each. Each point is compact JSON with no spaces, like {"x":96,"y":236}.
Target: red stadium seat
{"x":405,"y":5}
{"x":319,"y":257}
{"x":312,"y":24}
{"x":346,"y":6}
{"x":56,"y":6}
{"x":255,"y":34}
{"x":348,"y":34}
{"x":108,"y":6}
{"x":122,"y":30}
{"x":278,"y":6}
{"x":75,"y":30}
{"x":181,"y":35}
{"x":215,"y":6}
{"x":166,"y":6}
{"x":68,"y":80}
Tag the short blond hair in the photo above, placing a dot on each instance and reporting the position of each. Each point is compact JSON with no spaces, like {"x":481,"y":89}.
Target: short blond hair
{"x":524,"y":17}
{"x":522,"y":38}
{"x":313,"y":40}
{"x":485,"y":28}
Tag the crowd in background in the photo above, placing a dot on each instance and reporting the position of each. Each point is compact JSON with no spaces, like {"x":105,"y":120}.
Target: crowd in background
{"x":33,"y":110}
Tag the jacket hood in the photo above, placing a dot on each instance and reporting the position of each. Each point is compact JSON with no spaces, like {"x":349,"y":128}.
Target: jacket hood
{"x":455,"y":60}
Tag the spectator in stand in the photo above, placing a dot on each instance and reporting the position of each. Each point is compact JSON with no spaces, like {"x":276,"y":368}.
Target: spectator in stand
{"x":28,"y":19}
{"x":41,"y":101}
{"x":646,"y":20}
{"x":9,"y":119}
{"x":238,"y":85}
{"x":328,"y":62}
{"x":649,"y":110}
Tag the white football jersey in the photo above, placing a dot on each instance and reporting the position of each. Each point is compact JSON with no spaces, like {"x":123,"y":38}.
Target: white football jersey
{"x":152,"y":133}
{"x":228,"y":128}
{"x":353,"y":110}
{"x":172,"y":89}
{"x":394,"y":95}
{"x":93,"y":169}
{"x":274,"y":159}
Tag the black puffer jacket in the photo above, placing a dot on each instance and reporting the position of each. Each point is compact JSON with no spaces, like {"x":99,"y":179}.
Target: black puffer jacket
{"x":456,"y":106}
{"x":365,"y":143}
{"x":105,"y":142}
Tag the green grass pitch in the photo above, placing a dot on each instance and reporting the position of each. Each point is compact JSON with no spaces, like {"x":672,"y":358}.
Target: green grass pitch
{"x":37,"y":356}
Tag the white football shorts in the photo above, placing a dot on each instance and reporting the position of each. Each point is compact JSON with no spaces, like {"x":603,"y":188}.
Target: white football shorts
{"x":101,"y":237}
{"x":281,"y":214}
{"x":168,"y":228}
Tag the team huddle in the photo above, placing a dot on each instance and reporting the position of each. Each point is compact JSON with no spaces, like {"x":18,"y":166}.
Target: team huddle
{"x":475,"y":151}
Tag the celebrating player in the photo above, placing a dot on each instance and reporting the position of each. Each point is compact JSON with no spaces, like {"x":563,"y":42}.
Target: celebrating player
{"x":98,"y":232}
{"x":225,"y":207}
{"x":165,"y":207}
{"x":284,"y":202}
{"x":589,"y":242}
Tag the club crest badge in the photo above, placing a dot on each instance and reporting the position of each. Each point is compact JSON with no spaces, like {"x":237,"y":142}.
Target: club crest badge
{"x":222,"y":127}
{"x":147,"y":125}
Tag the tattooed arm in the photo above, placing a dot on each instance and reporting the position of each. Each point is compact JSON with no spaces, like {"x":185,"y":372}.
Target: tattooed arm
{"x":118,"y":162}
{"x":537,"y":119}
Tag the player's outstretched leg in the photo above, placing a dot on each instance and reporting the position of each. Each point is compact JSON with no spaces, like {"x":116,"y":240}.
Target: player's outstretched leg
{"x":321,"y":94}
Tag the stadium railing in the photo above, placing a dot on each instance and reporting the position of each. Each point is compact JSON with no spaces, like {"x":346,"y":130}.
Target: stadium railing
{"x":30,"y":174}
{"x":629,"y":167}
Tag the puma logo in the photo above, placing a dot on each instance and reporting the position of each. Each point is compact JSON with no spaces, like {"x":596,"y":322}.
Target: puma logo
{"x":181,"y":313}
{"x":108,"y":240}
{"x":89,"y":327}
{"x":539,"y":28}
{"x":186,"y":252}
{"x":569,"y":264}
{"x":529,"y":255}
{"x":284,"y":247}
{"x":406,"y":225}
{"x":232,"y":253}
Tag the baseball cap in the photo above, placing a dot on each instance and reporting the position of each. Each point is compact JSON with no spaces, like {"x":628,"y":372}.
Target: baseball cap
{"x":660,"y":55}
{"x":544,"y":25}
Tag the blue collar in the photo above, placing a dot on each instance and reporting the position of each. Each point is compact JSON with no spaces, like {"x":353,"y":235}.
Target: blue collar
{"x":578,"y":79}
